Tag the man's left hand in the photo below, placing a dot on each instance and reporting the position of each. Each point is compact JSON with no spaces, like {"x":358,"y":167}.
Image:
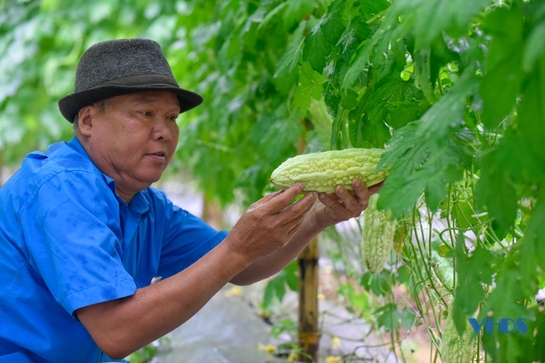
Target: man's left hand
{"x":343,"y":204}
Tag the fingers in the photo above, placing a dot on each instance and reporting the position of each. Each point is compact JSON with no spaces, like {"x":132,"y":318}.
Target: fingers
{"x":264,"y":200}
{"x":353,"y":202}
{"x":292,"y":226}
{"x":336,"y":209}
{"x":271,"y":222}
{"x":300,"y":208}
{"x":276,"y":210}
{"x":302,"y":205}
{"x":290,"y":219}
{"x":361,"y":193}
{"x":281,"y":200}
{"x":343,"y":205}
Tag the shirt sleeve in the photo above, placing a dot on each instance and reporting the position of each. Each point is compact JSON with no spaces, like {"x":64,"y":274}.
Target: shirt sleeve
{"x":187,"y":238}
{"x":72,"y":232}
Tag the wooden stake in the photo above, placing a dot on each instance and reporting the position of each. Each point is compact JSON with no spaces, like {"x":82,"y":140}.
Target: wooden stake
{"x":309,"y":334}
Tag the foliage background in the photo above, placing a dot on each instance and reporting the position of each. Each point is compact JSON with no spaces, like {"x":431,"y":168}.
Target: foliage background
{"x":454,"y":90}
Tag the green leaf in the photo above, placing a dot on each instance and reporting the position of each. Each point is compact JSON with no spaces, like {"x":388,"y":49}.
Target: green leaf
{"x":407,"y":317}
{"x":371,"y":135}
{"x":432,"y":18}
{"x":358,"y":302}
{"x":395,"y":101}
{"x":310,"y":86}
{"x":423,"y":76}
{"x":387,"y":317}
{"x":272,"y":15}
{"x":402,"y":112}
{"x":499,"y":198}
{"x":371,"y":8}
{"x":510,"y":170}
{"x":533,"y":248}
{"x":534,"y":47}
{"x":317,"y":49}
{"x":462,"y":213}
{"x":271,"y":291}
{"x":390,"y":317}
{"x":385,"y":101}
{"x":298,"y":11}
{"x":349,"y":100}
{"x":276,"y":287}
{"x":332,"y":26}
{"x":539,"y":341}
{"x":356,"y":32}
{"x":503,"y":72}
{"x":360,"y":62}
{"x":506,"y":300}
{"x":378,"y":283}
{"x":286,"y":73}
{"x":531,"y":114}
{"x":471,"y":272}
{"x":292,"y":277}
{"x":426,"y":155}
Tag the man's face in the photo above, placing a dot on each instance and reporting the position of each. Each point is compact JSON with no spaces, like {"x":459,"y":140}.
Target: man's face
{"x":134,"y":138}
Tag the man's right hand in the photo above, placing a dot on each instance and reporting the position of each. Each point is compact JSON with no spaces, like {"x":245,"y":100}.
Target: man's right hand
{"x":269,"y":223}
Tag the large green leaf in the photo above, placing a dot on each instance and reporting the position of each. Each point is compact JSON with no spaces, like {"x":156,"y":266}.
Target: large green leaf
{"x":426,"y":154}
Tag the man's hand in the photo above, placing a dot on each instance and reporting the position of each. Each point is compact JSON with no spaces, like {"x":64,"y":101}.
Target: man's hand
{"x":270,"y":223}
{"x":343,"y":205}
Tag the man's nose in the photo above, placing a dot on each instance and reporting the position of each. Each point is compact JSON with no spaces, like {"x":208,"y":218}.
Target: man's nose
{"x":162,"y":130}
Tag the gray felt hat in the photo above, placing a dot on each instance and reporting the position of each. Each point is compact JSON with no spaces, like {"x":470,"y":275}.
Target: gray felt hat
{"x":118,"y":67}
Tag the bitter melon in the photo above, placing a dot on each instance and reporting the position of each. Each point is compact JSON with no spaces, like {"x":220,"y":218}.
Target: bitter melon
{"x":378,"y":235}
{"x":323,"y":171}
{"x":456,"y":348}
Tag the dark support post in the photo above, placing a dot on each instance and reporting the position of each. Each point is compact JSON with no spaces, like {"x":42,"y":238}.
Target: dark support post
{"x":309,"y":335}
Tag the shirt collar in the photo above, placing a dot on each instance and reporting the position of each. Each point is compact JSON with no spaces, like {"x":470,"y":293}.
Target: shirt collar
{"x":138,"y":204}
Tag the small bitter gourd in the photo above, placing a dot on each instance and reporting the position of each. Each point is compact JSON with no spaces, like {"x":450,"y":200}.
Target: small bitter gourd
{"x":323,"y":171}
{"x":378,"y":235}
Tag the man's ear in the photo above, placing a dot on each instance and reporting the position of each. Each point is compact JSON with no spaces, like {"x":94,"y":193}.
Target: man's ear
{"x":85,"y":121}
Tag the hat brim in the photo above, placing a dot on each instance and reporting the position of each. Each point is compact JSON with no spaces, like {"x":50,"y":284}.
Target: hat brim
{"x":72,"y":104}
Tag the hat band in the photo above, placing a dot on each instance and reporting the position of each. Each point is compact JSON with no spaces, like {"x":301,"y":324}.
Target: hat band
{"x":144,"y":80}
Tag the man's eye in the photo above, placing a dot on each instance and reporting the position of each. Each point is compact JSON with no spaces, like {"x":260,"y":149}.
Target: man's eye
{"x":147,"y":113}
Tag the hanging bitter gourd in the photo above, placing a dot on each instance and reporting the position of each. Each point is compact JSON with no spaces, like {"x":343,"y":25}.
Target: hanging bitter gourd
{"x":378,"y":235}
{"x":323,"y":171}
{"x":456,"y":348}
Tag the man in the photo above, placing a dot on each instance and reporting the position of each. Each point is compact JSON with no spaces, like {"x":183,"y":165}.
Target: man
{"x":84,"y":238}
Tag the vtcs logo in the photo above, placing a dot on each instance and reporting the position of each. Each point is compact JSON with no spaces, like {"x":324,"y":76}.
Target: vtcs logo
{"x":505,"y":325}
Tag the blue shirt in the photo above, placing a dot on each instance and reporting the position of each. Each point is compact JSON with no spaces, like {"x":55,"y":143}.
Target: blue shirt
{"x":67,"y":240}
